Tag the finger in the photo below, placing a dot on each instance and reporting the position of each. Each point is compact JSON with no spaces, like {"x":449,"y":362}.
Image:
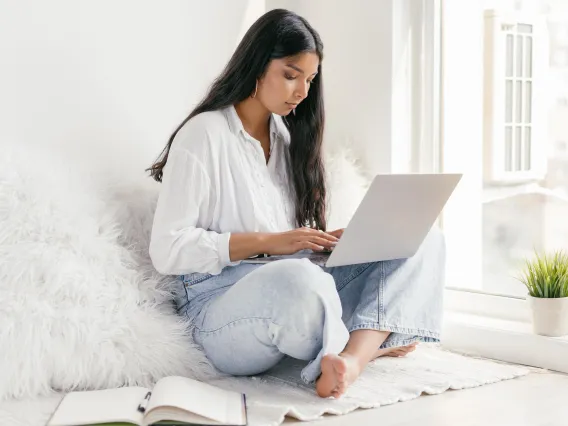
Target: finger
{"x":320,"y":233}
{"x":318,"y":239}
{"x":311,"y":246}
{"x":327,"y":236}
{"x":337,"y":233}
{"x":322,"y":241}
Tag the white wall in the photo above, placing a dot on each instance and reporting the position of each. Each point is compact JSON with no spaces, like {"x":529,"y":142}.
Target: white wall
{"x":110,"y":80}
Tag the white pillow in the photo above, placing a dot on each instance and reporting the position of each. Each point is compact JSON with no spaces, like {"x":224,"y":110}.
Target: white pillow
{"x":78,"y":310}
{"x":347,"y":184}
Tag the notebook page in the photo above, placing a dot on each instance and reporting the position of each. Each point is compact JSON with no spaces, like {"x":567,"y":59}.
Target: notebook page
{"x":200,"y":398}
{"x":102,"y":406}
{"x":172,"y":416}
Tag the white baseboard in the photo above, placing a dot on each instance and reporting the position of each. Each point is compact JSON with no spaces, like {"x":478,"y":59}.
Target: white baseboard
{"x":510,"y":341}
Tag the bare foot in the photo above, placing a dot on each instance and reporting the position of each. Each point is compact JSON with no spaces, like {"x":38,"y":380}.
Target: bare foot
{"x":337,"y":373}
{"x":340,"y":371}
{"x":397,"y":351}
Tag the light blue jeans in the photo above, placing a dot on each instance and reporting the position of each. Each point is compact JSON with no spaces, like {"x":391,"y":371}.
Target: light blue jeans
{"x":250,"y":316}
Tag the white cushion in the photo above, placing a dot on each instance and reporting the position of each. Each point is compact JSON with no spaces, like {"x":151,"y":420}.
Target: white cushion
{"x":78,"y":310}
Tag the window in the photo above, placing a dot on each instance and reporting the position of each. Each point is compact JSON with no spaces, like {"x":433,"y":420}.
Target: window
{"x":514,"y":61}
{"x":510,"y":141}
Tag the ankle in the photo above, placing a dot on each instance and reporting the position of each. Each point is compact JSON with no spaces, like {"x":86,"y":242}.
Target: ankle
{"x":354,"y":361}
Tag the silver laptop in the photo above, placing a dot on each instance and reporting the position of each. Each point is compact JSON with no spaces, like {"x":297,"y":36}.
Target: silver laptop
{"x":394,"y":217}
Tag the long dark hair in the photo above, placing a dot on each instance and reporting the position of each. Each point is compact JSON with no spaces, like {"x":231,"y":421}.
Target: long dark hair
{"x":277,"y":34}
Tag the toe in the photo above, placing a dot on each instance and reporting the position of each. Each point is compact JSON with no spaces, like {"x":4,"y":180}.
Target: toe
{"x":408,"y":348}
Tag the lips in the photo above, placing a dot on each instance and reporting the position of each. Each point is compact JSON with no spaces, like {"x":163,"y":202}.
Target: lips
{"x":291,"y":105}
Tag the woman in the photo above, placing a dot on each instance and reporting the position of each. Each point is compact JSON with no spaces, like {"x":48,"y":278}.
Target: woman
{"x":243,"y":176}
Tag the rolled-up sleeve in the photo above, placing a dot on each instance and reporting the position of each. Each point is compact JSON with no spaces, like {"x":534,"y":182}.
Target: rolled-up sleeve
{"x":181,"y":242}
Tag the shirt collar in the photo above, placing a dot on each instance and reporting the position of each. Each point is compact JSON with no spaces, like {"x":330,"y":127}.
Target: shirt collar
{"x":236,"y":125}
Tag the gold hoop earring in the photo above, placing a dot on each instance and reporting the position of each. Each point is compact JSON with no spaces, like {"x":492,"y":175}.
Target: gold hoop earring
{"x":255,"y":90}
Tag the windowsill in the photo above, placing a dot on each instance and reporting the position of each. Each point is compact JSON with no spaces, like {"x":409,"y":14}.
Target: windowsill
{"x":504,"y":339}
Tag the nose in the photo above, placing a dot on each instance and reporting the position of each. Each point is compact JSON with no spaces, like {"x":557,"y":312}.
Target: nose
{"x":302,"y":90}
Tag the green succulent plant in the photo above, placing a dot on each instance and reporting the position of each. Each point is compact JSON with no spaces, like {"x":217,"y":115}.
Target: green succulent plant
{"x":546,"y":276}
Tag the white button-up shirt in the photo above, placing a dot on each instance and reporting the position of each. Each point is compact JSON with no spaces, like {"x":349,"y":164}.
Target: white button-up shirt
{"x":216,"y":181}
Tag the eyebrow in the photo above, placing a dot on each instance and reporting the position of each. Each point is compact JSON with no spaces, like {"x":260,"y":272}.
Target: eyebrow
{"x":298,"y":69}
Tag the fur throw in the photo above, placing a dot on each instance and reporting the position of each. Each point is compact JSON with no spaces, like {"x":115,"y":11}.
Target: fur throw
{"x":82,"y":307}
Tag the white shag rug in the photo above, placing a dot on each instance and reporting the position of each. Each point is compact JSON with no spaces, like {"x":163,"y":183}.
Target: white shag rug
{"x":280,"y":393}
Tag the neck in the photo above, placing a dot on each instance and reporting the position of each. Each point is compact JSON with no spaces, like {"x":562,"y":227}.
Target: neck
{"x":254,"y":116}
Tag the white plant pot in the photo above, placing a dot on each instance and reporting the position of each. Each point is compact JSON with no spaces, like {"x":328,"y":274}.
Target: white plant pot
{"x":550,"y":316}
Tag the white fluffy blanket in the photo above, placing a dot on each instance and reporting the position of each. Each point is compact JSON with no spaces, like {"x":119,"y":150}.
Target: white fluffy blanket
{"x":82,"y":307}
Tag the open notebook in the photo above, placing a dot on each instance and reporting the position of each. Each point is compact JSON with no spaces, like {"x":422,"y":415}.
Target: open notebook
{"x":173,"y":400}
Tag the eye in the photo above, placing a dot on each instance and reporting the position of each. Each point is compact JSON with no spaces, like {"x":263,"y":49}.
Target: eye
{"x":289,"y":77}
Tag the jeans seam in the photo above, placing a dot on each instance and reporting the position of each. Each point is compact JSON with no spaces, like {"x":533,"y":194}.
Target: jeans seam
{"x":395,"y":329}
{"x":179,"y":310}
{"x":230,"y":323}
{"x":208,"y":294}
{"x":405,"y":342}
{"x":380,"y":294}
{"x":353,"y":275}
{"x":209,"y":332}
{"x":197,"y":281}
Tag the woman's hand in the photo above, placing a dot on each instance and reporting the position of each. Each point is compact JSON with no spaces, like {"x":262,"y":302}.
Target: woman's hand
{"x":337,"y":233}
{"x":291,"y":242}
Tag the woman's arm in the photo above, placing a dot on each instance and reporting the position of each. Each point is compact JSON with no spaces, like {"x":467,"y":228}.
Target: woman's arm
{"x":245,"y":245}
{"x":181,"y":241}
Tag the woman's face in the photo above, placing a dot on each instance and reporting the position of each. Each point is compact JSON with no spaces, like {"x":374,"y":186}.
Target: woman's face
{"x":286,"y":82}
